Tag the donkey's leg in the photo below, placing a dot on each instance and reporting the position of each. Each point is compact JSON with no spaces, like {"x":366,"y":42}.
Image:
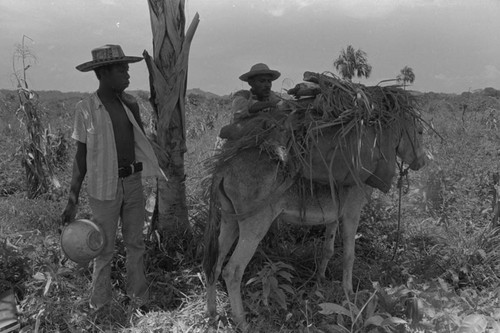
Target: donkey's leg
{"x":328,"y":245}
{"x":252,"y":230}
{"x":354,"y":200}
{"x":227,"y":236}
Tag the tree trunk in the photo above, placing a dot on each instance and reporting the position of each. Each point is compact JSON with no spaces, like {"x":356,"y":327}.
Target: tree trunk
{"x":168,"y":78}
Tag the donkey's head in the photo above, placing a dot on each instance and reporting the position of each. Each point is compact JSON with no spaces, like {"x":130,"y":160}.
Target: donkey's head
{"x":410,"y":148}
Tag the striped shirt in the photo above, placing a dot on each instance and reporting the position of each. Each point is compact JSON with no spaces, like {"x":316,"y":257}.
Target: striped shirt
{"x":94,"y":128}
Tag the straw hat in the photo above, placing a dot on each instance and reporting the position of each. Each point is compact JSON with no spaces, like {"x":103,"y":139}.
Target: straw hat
{"x":106,"y":55}
{"x":259,"y":69}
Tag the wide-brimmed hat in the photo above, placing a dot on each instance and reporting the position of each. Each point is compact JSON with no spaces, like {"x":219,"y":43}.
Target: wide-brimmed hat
{"x":259,"y":69}
{"x":106,"y":55}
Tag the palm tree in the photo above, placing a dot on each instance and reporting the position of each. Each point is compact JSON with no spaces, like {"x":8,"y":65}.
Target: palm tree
{"x":406,"y":76}
{"x":352,"y":63}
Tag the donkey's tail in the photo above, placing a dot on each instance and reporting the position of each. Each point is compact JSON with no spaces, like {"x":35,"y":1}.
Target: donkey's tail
{"x":212,"y":230}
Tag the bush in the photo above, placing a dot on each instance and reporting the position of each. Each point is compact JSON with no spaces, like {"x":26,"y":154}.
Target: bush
{"x":491,"y":92}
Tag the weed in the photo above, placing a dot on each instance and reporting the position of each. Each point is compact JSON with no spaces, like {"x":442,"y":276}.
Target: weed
{"x":274,"y":280}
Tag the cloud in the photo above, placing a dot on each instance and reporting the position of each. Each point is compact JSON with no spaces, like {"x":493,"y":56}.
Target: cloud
{"x":358,"y":9}
{"x":277,"y":11}
{"x":362,"y":9}
{"x":491,"y":72}
{"x":304,"y":3}
{"x":441,"y":77}
{"x":278,"y":8}
{"x":109,"y":2}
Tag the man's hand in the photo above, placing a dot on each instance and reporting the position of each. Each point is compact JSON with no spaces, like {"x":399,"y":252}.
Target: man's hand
{"x":259,"y":106}
{"x":274,"y":103}
{"x":68,"y":214}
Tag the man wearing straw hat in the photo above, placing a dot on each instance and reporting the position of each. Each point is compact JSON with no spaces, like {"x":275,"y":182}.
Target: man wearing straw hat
{"x":114,"y":153}
{"x":248,"y":103}
{"x":260,"y":97}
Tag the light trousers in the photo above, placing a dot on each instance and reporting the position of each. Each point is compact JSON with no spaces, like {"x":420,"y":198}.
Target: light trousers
{"x":128,"y":206}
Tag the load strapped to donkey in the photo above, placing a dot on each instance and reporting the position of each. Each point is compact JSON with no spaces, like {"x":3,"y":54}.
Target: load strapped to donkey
{"x":334,"y":132}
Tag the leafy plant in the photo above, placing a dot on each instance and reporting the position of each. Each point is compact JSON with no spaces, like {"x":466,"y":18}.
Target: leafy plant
{"x":14,"y":266}
{"x":365,"y":318}
{"x":275,"y":279}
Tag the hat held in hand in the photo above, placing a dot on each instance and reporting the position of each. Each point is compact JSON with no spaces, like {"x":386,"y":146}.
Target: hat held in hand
{"x":82,"y":240}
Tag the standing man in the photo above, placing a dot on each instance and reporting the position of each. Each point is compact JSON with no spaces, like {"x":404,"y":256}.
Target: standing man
{"x":113,"y":151}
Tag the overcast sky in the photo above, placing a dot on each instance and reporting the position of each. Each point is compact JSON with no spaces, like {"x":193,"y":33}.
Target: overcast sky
{"x":452,"y":46}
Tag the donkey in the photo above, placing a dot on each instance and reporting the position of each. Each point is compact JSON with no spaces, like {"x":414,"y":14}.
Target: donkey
{"x":250,"y":193}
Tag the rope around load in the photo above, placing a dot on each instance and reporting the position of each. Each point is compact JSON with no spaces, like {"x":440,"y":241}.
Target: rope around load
{"x":403,"y":172}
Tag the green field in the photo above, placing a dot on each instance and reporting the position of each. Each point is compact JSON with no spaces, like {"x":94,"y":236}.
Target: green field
{"x":444,"y":277}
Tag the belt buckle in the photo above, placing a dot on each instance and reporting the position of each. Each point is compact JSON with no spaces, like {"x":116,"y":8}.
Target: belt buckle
{"x":130,"y":169}
{"x":125,"y":171}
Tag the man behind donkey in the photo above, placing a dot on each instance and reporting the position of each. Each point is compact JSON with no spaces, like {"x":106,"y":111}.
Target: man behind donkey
{"x":248,"y":105}
{"x":259,"y":98}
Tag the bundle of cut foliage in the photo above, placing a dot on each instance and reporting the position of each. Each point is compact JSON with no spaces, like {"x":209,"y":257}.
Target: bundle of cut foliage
{"x":343,"y":115}
{"x":261,"y":130}
{"x":344,"y":102}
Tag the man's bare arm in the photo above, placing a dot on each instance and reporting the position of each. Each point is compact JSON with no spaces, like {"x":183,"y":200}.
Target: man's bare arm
{"x":79,"y":172}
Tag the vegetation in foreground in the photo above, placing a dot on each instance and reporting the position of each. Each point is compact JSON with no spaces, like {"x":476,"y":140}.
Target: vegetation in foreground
{"x":437,"y":272}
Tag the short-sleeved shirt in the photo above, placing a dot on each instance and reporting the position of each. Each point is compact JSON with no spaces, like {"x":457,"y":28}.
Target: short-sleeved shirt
{"x":242,"y":102}
{"x":94,"y":128}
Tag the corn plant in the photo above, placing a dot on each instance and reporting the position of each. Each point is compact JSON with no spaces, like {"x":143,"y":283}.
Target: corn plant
{"x":35,"y":155}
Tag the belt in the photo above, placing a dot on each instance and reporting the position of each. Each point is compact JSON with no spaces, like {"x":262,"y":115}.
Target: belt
{"x":129,"y":169}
